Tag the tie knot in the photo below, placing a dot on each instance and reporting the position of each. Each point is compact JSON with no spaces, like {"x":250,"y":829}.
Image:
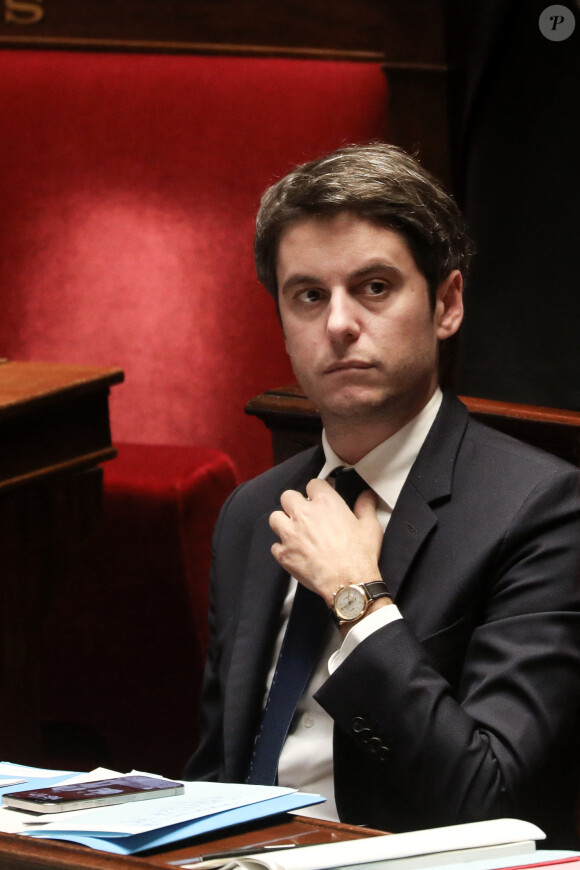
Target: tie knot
{"x":348,"y":484}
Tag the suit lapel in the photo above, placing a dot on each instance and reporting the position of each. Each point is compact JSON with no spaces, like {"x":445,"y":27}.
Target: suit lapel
{"x":265,"y":586}
{"x":429,"y":483}
{"x":409,"y":526}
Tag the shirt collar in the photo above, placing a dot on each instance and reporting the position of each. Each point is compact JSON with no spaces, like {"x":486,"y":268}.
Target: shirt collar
{"x":387,"y":466}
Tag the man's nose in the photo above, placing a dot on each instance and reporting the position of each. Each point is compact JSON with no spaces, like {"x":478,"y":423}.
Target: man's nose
{"x":342,"y":320}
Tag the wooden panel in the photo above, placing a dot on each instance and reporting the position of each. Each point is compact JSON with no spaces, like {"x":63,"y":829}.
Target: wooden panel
{"x":342,"y":28}
{"x":395,"y":30}
{"x":54,"y":430}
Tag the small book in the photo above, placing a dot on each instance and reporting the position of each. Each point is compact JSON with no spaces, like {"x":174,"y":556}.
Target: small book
{"x":86,"y":795}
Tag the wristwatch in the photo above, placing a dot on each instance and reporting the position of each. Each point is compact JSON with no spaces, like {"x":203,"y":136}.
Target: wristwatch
{"x":352,"y":601}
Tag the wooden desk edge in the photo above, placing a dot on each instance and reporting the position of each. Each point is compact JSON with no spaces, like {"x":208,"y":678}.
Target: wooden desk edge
{"x":70,"y":466}
{"x":290,"y":401}
{"x":286,"y":828}
{"x":28,"y":853}
{"x":31,"y":382}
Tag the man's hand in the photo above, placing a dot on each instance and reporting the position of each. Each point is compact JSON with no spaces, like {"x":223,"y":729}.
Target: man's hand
{"x":323,"y":543}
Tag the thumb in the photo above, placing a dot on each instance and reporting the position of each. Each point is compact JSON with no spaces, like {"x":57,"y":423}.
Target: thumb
{"x":365,"y":506}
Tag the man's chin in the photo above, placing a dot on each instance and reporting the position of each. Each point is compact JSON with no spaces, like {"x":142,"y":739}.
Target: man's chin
{"x":351,"y":405}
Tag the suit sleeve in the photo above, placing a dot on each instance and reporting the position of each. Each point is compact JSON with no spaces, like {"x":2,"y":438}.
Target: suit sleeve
{"x":472,"y":746}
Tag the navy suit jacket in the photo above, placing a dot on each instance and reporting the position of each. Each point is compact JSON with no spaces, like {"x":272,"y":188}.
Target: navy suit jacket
{"x":465,"y":709}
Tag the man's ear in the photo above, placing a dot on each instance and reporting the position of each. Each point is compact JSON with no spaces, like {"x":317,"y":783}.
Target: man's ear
{"x":449,"y":305}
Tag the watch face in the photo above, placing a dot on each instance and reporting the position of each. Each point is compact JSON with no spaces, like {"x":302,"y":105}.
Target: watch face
{"x":350,"y":602}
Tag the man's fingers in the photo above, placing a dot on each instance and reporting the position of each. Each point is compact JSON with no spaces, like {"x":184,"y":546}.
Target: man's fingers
{"x":316,"y":486}
{"x":293,"y":503}
{"x":366,"y":504}
{"x":278,"y":521}
{"x":289,"y":500}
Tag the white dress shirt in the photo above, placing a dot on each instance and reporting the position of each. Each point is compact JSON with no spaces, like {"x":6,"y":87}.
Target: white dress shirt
{"x":306,"y":759}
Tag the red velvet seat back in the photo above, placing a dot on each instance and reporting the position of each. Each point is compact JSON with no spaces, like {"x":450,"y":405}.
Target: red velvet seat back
{"x":128,"y":188}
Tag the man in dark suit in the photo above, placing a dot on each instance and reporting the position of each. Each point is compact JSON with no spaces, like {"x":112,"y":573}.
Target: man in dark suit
{"x":448,"y":690}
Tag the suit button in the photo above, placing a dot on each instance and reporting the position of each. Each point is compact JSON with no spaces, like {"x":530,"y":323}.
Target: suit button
{"x":383,"y":753}
{"x":375,"y":745}
{"x":361,"y":732}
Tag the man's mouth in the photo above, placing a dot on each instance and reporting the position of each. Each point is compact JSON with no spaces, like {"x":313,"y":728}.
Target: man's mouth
{"x":348,"y":365}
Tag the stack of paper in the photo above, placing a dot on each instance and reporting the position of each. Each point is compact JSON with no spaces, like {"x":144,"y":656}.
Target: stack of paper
{"x":134,"y":827}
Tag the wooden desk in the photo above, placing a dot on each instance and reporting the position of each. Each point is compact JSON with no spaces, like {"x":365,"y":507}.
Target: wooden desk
{"x":54,"y":432}
{"x":295,"y":423}
{"x":24,"y":853}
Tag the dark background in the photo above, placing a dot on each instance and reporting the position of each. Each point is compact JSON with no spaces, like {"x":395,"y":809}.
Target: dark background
{"x":516,"y":123}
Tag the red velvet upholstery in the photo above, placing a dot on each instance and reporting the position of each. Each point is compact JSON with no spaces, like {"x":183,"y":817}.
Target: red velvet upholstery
{"x":126,"y":631}
{"x":128,"y":189}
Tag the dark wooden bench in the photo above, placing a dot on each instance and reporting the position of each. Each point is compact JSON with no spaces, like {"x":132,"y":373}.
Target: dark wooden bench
{"x":295,"y":424}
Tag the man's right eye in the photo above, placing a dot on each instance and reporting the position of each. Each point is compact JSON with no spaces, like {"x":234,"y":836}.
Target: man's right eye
{"x":309,"y":295}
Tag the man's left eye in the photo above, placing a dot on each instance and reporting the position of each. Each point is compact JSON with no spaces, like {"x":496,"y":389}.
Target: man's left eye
{"x":375,"y":288}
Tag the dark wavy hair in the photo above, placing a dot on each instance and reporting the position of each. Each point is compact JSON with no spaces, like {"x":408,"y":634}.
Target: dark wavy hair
{"x":379,"y":182}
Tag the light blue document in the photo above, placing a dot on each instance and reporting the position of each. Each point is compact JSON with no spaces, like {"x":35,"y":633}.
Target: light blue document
{"x":155,"y":823}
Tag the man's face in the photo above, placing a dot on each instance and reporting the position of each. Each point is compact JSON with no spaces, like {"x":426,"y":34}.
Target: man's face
{"x":358,"y":325}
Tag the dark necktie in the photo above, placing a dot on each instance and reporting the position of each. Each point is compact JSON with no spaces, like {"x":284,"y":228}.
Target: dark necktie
{"x":303,"y":643}
{"x":349,"y":484}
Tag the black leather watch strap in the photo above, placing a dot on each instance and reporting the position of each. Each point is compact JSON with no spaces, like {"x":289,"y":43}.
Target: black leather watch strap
{"x":376,"y":589}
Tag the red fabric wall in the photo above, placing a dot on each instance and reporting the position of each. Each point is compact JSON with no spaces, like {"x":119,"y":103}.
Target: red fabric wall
{"x":128,"y":187}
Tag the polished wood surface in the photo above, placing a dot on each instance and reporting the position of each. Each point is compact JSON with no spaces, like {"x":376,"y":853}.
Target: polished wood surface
{"x":53,"y":419}
{"x":23,"y":853}
{"x":295,"y":423}
{"x":54,"y":432}
{"x":349,"y":29}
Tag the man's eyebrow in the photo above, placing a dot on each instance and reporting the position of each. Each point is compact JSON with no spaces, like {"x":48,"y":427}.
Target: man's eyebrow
{"x":298,"y":280}
{"x":373,"y":268}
